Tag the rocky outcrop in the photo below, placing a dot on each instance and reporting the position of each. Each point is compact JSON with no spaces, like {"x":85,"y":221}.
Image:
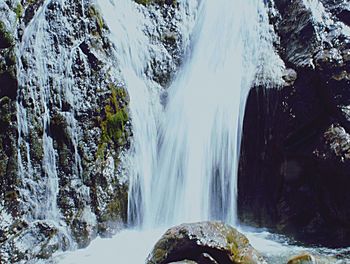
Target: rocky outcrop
{"x":65,"y":124}
{"x":294,"y":166}
{"x":206,"y":242}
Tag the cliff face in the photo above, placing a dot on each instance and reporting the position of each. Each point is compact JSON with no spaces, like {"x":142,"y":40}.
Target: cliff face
{"x":294,"y":169}
{"x":65,"y":123}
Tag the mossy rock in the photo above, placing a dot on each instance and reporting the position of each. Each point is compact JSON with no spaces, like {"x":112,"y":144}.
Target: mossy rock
{"x":307,"y":258}
{"x":113,"y":121}
{"x":116,"y":210}
{"x":214,"y":241}
{"x":5,"y":114}
{"x":6,"y":39}
{"x":95,"y":14}
{"x":19,"y":10}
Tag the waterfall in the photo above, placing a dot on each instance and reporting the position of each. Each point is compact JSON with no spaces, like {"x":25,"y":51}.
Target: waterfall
{"x":195,"y":178}
{"x":183,"y":164}
{"x":183,"y":159}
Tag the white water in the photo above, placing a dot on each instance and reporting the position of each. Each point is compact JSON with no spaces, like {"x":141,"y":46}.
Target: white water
{"x":192,"y":174}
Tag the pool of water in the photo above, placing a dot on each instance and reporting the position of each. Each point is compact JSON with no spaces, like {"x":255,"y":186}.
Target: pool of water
{"x":133,"y":247}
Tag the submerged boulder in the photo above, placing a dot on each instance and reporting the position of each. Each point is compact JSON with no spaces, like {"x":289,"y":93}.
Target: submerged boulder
{"x":204,"y":242}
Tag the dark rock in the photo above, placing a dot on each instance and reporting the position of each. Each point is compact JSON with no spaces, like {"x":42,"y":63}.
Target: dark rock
{"x":289,"y":76}
{"x":294,"y":158}
{"x":28,"y":241}
{"x":206,"y":242}
{"x":6,"y":39}
{"x":344,"y":16}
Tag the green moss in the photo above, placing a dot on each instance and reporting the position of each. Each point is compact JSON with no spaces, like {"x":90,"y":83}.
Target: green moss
{"x":19,"y":10}
{"x":94,"y":13}
{"x":115,"y":116}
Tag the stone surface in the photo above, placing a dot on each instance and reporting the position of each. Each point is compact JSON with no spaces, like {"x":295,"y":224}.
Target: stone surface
{"x":205,"y":242}
{"x":294,"y":164}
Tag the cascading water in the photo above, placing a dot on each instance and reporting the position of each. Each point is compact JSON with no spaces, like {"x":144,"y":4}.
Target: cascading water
{"x":191,"y":175}
{"x":195,"y":177}
{"x":184,"y":161}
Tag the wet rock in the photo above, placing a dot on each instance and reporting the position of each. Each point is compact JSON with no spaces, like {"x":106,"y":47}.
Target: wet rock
{"x":294,"y":157}
{"x":26,"y":241}
{"x":289,"y":76}
{"x":205,"y":242}
{"x":302,"y":259}
{"x":308,"y":258}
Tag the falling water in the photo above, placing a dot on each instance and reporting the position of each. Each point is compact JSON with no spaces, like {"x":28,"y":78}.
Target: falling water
{"x":184,"y":159}
{"x":191,"y":171}
{"x":195,"y":177}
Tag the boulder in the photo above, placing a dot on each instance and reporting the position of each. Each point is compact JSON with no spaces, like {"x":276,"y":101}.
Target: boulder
{"x":204,"y":243}
{"x":307,"y":258}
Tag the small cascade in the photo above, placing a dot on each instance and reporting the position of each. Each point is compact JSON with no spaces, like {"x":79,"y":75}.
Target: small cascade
{"x":44,"y":191}
{"x":46,"y":82}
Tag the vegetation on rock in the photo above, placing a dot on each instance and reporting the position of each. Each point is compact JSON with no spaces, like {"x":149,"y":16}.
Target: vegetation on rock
{"x":114,"y":119}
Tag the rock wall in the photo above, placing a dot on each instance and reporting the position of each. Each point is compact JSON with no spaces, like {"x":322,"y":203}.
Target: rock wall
{"x":294,"y":168}
{"x":65,"y":125}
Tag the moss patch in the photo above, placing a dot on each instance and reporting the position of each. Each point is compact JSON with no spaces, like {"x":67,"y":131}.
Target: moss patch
{"x":114,"y":118}
{"x":19,"y":10}
{"x":94,"y":13}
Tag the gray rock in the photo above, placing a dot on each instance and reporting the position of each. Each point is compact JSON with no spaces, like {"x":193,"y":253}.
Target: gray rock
{"x":205,"y":242}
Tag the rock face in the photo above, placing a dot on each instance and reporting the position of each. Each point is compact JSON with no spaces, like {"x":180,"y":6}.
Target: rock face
{"x":206,"y":242}
{"x":294,"y":167}
{"x":65,"y":123}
